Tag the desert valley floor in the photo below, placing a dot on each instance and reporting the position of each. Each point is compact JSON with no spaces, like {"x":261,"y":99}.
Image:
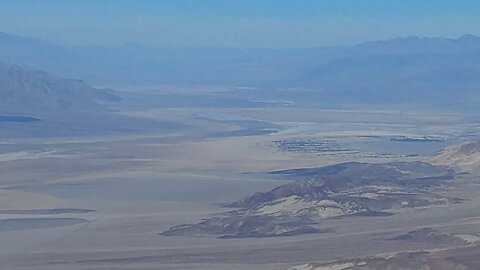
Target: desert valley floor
{"x":106,"y":202}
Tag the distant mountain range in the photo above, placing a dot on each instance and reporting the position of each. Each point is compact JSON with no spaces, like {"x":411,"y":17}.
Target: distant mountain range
{"x":435,"y":73}
{"x":26,"y":90}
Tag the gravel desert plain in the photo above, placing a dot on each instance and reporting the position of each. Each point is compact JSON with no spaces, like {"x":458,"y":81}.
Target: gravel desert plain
{"x":336,"y":190}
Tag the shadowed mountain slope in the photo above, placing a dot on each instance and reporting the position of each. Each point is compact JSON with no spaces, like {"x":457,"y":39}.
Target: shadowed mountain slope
{"x":25,"y":90}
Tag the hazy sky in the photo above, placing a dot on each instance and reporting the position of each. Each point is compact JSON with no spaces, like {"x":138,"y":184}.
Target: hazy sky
{"x":236,"y":23}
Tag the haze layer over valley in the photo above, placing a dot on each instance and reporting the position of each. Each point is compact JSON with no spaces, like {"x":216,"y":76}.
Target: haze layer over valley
{"x":346,"y":157}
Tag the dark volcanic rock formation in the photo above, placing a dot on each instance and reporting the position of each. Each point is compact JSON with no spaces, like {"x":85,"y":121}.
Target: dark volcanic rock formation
{"x":245,"y":227}
{"x":429,"y":235}
{"x":347,"y":189}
